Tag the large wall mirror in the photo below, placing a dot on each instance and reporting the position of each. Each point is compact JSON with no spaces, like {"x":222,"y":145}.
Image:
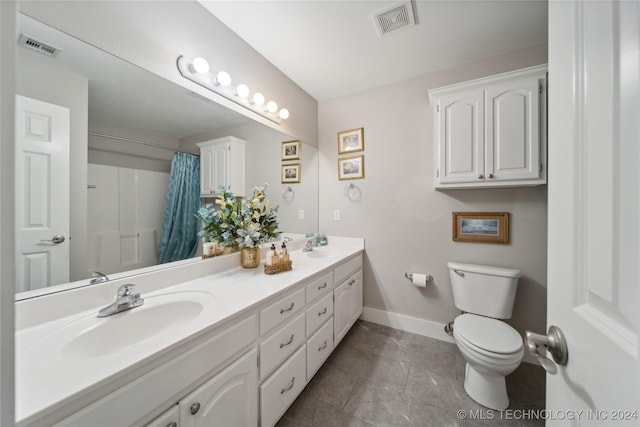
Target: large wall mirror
{"x":125,"y":125}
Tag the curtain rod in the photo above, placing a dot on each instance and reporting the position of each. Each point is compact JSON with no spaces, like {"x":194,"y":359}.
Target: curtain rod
{"x":150,"y":144}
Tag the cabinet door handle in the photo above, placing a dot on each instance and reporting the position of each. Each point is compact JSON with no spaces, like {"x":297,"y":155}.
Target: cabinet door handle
{"x":172,"y":424}
{"x":322,"y":312}
{"x":480,"y":176}
{"x":282,"y":310}
{"x":490,"y":175}
{"x":289,"y":387}
{"x":322,"y":286}
{"x":352,"y":282}
{"x":284,"y":344}
{"x":323,"y":346}
{"x":194,"y":408}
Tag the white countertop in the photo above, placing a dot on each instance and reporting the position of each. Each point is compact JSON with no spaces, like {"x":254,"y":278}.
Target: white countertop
{"x":48,"y":380}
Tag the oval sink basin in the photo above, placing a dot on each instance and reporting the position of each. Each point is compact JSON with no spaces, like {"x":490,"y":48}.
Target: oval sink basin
{"x":91,"y":337}
{"x":321,"y":253}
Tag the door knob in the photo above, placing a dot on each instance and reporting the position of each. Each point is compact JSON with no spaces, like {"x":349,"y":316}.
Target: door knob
{"x":554,"y":342}
{"x":58,"y":238}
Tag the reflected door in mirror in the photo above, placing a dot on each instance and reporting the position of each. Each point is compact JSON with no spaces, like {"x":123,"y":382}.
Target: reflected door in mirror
{"x":42,"y":194}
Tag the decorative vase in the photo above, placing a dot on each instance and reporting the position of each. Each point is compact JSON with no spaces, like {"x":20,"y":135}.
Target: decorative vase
{"x":250,"y":257}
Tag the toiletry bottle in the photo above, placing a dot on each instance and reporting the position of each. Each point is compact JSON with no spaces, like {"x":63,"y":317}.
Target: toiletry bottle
{"x":285,"y":253}
{"x":275,"y":259}
{"x":270,"y":253}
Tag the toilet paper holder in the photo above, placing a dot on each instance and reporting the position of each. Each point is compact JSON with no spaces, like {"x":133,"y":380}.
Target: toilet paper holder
{"x":410,"y":276}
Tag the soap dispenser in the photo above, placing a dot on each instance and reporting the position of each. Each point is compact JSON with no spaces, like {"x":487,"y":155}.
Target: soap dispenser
{"x":270,"y":254}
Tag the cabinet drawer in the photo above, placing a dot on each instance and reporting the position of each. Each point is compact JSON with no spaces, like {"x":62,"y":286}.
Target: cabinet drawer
{"x":281,"y":310}
{"x":320,"y":286}
{"x":319,"y":347}
{"x":277,"y":393}
{"x":347,"y":269}
{"x":281,"y":344}
{"x":318,"y":313}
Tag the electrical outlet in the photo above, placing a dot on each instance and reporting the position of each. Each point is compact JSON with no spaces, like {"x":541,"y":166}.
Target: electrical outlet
{"x":336,"y":215}
{"x":301,"y":214}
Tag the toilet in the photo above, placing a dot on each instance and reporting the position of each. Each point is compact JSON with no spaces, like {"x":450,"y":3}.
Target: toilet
{"x":491,"y":348}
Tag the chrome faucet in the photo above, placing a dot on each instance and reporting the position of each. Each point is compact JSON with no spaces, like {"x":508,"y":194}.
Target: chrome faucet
{"x":287,"y":239}
{"x":125,"y":300}
{"x":98,"y":278}
{"x":311,"y":243}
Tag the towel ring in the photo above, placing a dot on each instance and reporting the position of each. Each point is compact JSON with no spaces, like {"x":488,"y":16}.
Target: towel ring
{"x":288,"y":194}
{"x":352,"y":192}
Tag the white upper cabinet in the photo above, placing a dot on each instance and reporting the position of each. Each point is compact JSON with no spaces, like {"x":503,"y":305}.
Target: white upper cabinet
{"x":222,"y":166}
{"x":491,"y":132}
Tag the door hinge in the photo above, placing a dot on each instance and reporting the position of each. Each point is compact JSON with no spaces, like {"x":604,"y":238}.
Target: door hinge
{"x":540,"y":168}
{"x":437,"y":173}
{"x":438,"y":108}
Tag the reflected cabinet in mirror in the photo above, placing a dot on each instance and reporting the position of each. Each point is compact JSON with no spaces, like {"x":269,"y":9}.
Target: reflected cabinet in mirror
{"x":94,"y":144}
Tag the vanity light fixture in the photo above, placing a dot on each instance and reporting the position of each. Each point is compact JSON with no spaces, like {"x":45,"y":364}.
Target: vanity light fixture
{"x":198,"y":71}
{"x":242,"y":90}
{"x":272,"y":106}
{"x":283,"y":114}
{"x":223,"y":79}
{"x":258,"y":99}
{"x":200,"y":66}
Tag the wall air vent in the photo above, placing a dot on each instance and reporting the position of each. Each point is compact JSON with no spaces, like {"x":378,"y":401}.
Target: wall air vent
{"x":33,"y":44}
{"x":399,"y":16}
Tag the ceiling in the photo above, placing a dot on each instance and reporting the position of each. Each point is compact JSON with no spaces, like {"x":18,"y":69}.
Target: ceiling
{"x":332,"y":48}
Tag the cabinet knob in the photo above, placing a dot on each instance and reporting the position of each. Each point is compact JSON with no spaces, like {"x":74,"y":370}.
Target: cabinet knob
{"x":173,"y":424}
{"x":480,"y":176}
{"x":490,"y":175}
{"x":195,"y":408}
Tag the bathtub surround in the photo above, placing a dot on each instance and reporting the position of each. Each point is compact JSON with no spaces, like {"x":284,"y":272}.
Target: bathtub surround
{"x":399,"y":185}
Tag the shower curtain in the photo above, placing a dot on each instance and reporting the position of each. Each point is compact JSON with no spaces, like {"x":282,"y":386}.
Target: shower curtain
{"x":179,"y":239}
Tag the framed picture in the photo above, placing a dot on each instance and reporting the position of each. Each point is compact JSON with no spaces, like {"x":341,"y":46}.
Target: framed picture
{"x":351,"y":168}
{"x":291,"y":150}
{"x":291,"y":173}
{"x":487,"y":227}
{"x":350,"y":141}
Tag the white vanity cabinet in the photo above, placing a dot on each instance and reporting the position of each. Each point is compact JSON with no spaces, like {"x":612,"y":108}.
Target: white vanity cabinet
{"x":222,"y":165}
{"x":227,"y":399}
{"x":491,"y":132}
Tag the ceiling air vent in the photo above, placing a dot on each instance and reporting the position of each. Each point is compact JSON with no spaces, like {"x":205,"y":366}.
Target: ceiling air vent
{"x":38,"y":46}
{"x":399,"y":16}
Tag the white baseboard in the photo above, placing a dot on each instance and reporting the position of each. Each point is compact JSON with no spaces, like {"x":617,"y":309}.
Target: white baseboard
{"x":415,"y":325}
{"x":406,"y":323}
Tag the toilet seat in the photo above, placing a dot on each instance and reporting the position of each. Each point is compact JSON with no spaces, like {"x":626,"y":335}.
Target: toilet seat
{"x":487,"y":336}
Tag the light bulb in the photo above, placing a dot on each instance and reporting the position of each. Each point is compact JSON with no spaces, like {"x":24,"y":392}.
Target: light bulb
{"x":223,"y":78}
{"x":283,"y":114}
{"x":258,"y":99}
{"x":272,"y":107}
{"x":200,"y":66}
{"x":242,"y":90}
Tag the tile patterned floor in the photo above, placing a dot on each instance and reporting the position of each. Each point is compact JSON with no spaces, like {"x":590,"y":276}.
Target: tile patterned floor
{"x":379,"y":376}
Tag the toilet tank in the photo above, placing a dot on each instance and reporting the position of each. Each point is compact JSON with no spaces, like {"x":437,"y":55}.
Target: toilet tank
{"x":484,"y":290}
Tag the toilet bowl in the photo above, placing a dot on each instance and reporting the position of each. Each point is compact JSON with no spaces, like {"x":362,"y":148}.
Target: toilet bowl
{"x":492,"y":350}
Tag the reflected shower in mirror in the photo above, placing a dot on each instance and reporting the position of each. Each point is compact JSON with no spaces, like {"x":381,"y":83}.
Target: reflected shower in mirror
{"x":124,"y":126}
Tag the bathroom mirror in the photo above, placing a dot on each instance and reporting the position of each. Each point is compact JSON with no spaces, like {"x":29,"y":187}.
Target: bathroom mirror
{"x":126,"y":124}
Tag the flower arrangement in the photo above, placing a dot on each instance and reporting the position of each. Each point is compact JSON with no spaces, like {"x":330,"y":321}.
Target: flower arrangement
{"x":237,"y":222}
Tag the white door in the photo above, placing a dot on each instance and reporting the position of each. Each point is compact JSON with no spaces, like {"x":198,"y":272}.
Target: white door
{"x":594,"y":214}
{"x":42,"y":194}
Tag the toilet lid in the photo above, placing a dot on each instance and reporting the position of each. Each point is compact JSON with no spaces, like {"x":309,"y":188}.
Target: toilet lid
{"x":488,"y":334}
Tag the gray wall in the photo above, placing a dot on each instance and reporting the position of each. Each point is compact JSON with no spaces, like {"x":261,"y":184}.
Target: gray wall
{"x":405,"y":222}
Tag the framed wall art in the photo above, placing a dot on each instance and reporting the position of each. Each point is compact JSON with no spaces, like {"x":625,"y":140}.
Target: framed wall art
{"x":486,"y":227}
{"x":291,"y":173}
{"x":291,"y":150}
{"x":351,"y":141}
{"x":351,"y":168}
